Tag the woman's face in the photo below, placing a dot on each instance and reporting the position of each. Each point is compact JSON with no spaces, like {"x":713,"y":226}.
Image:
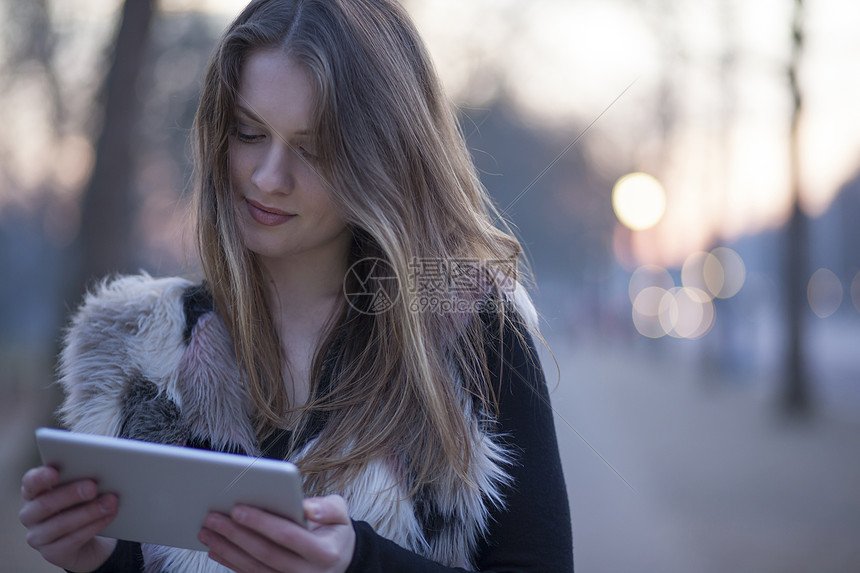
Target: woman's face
{"x":283,"y":207}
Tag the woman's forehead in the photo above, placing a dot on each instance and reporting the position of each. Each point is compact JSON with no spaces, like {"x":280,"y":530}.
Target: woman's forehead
{"x":275,"y":89}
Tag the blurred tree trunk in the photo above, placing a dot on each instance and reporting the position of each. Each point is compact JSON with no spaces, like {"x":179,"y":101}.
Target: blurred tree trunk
{"x":107,"y":214}
{"x":796,"y":399}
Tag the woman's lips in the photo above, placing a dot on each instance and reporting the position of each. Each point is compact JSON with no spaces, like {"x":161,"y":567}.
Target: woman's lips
{"x":268,"y":216}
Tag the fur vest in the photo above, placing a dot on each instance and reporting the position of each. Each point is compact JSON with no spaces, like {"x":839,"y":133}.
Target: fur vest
{"x":140,"y":362}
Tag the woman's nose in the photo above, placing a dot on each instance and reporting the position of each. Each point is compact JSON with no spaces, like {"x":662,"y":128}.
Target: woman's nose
{"x":275,"y":171}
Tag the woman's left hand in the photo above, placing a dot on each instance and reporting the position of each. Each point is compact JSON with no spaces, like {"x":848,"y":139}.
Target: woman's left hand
{"x":251,"y":540}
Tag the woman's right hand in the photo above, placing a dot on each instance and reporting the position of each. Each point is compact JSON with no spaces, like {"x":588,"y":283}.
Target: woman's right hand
{"x":63,"y":521}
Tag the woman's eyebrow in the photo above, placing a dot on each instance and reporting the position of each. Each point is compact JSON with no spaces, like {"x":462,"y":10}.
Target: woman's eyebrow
{"x":242,"y":110}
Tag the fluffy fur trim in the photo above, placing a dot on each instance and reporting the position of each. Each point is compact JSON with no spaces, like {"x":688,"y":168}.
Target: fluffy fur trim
{"x":130,"y":369}
{"x":126,"y":331}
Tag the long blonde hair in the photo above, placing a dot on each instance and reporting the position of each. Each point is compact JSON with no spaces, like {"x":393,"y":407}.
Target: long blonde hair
{"x":399,"y":172}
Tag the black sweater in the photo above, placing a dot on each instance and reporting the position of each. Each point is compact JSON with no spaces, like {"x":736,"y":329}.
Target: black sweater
{"x":532,"y":532}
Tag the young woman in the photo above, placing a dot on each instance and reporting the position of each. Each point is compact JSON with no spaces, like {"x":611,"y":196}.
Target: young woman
{"x":360,"y":316}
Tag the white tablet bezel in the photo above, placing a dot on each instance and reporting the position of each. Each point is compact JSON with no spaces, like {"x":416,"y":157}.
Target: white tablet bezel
{"x":165,"y":491}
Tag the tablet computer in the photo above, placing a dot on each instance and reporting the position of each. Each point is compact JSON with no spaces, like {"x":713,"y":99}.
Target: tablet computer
{"x":165,"y":491}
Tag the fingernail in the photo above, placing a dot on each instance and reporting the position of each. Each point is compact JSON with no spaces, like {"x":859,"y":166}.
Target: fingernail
{"x":240,"y":515}
{"x":86,"y":490}
{"x":313,"y":509}
{"x":106,"y":504}
{"x":204,"y":537}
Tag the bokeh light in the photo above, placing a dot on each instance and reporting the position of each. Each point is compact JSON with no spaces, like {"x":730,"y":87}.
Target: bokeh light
{"x":704,"y":272}
{"x":638,"y":200}
{"x":648,"y":276}
{"x":855,"y":291}
{"x":686,"y":312}
{"x":660,"y":308}
{"x":720,"y":273}
{"x":646,"y":311}
{"x":824,"y":292}
{"x":733,"y":270}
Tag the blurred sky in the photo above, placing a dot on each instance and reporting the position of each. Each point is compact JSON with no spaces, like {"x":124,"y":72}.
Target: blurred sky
{"x":724,"y":161}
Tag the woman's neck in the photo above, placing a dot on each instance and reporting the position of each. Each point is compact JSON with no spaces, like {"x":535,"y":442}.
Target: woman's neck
{"x":304,"y":294}
{"x":305,"y":289}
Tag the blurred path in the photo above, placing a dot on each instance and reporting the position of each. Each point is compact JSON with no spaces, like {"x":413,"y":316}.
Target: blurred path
{"x":722,"y":484}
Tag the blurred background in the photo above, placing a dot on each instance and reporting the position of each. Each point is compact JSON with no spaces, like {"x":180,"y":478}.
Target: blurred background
{"x":684,"y":176}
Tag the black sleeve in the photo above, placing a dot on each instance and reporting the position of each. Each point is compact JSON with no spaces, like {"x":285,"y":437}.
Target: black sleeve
{"x":126,"y":558}
{"x":376,"y":554}
{"x":533,"y":531}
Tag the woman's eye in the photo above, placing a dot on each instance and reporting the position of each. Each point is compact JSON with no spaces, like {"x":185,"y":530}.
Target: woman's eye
{"x":248,"y":137}
{"x":245,"y":134}
{"x":306,"y":152}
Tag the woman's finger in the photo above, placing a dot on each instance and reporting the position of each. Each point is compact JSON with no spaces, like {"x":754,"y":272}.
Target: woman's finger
{"x":329,"y":510}
{"x":327,"y":540}
{"x":77,"y":539}
{"x":243,"y":550}
{"x":53,"y":501}
{"x":38,"y":480}
{"x":74,"y":523}
{"x":280,"y":531}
